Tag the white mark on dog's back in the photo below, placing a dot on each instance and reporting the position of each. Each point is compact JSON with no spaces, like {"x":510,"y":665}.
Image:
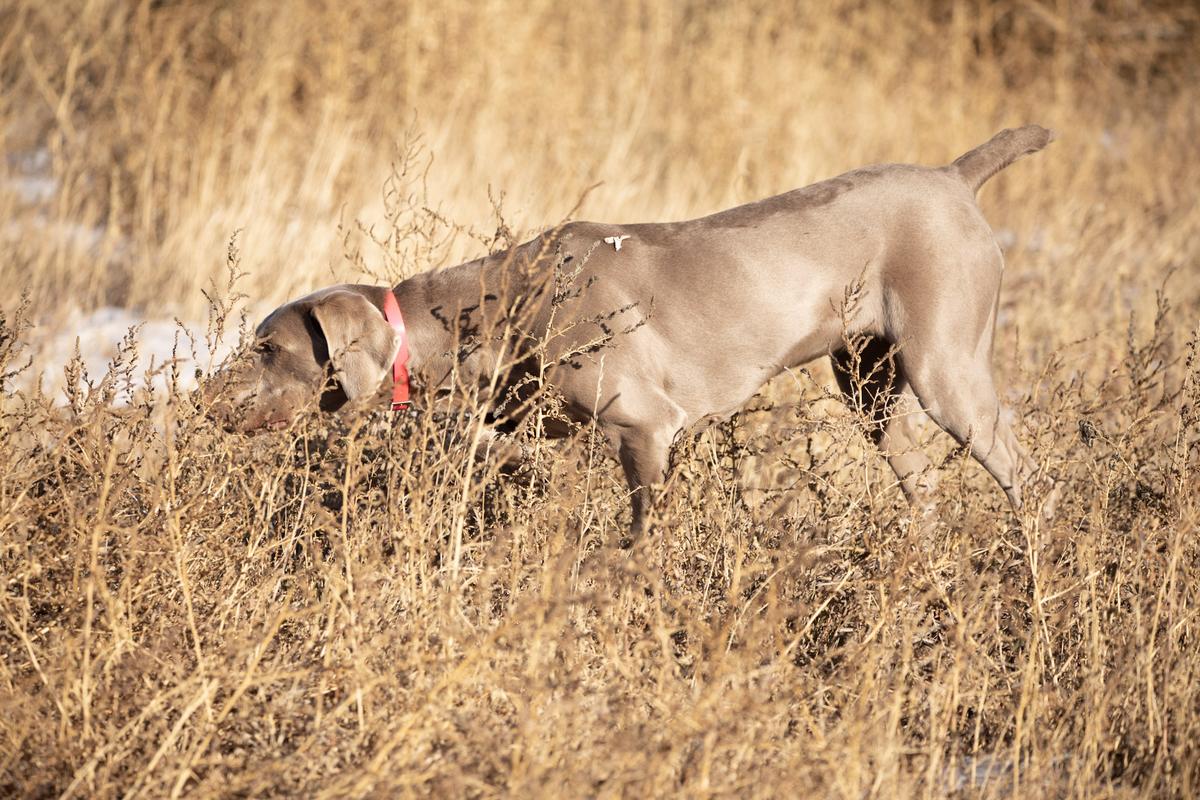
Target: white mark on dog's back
{"x":615,"y":241}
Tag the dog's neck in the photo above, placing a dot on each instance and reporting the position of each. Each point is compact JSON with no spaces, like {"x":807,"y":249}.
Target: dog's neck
{"x":448,"y":314}
{"x":470,"y":324}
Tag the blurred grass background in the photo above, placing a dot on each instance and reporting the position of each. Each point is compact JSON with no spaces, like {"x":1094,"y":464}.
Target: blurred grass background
{"x":167,"y":126}
{"x":187,"y":613}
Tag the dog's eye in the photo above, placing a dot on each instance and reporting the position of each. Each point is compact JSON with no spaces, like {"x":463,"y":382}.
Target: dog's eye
{"x":266,"y":347}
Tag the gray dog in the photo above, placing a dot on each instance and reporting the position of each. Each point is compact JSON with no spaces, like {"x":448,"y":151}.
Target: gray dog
{"x":649,"y":328}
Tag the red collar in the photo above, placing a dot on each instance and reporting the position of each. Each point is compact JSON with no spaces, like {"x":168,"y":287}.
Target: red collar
{"x":391,"y":311}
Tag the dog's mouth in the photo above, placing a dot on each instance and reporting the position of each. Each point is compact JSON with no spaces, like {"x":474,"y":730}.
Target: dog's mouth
{"x":275,"y":424}
{"x":269,"y":424}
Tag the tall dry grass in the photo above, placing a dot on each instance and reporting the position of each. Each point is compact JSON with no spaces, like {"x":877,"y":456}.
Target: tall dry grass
{"x":352,"y":608}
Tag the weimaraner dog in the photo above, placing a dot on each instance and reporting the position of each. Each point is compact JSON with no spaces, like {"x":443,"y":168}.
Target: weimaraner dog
{"x":649,"y":328}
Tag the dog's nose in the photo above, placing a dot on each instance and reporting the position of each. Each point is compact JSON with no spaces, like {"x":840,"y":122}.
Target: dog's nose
{"x":245,"y":417}
{"x":212,"y":396}
{"x":219,"y":414}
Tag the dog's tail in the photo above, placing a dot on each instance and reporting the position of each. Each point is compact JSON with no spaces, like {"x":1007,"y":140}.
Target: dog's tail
{"x":976,"y":166}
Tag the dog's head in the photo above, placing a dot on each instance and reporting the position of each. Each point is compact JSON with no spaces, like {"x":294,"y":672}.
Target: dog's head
{"x":328,"y":348}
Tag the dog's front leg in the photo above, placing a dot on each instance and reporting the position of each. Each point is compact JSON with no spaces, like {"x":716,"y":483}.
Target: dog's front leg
{"x":644,"y":453}
{"x":643,"y":427}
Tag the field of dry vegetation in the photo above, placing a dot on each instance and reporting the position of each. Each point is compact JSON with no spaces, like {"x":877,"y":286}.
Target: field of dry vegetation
{"x":355,"y":607}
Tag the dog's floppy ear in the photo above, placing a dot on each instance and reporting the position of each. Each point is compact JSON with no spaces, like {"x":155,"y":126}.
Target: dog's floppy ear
{"x":362,"y":345}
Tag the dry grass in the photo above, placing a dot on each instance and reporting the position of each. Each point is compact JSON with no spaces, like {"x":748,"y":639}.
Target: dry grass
{"x":353,"y":608}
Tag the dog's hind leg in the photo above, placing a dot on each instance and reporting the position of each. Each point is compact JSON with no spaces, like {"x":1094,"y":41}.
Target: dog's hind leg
{"x":873,"y":384}
{"x":946,"y":356}
{"x":961,"y":398}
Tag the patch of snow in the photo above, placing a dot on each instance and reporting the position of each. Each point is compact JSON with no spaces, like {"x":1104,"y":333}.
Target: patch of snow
{"x":1037,"y":241}
{"x":35,"y":160}
{"x":33,"y":182}
{"x":68,"y":234}
{"x":159,"y":343}
{"x":33,"y":188}
{"x":1112,"y":144}
{"x":1006,"y":238}
{"x":997,"y":771}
